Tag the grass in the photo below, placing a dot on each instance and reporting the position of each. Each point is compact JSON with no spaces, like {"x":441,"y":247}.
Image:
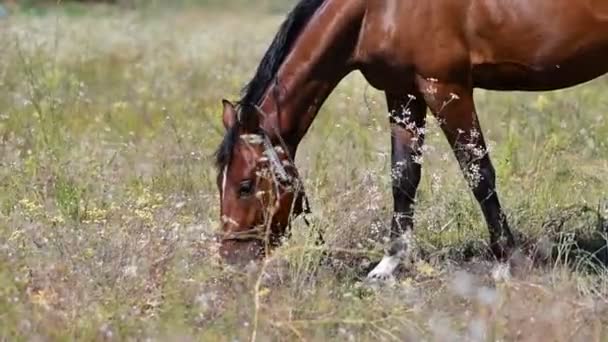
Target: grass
{"x":108,"y":204}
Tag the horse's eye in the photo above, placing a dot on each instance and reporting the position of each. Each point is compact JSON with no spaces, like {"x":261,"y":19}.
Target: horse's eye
{"x":245,"y":188}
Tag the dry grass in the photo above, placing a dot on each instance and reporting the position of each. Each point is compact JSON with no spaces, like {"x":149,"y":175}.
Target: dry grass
{"x":108,"y":204}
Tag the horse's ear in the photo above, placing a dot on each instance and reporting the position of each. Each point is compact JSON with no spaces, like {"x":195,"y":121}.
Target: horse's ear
{"x":229,"y":116}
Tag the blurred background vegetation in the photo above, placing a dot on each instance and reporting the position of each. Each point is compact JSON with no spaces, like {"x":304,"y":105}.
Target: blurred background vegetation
{"x":81,"y":7}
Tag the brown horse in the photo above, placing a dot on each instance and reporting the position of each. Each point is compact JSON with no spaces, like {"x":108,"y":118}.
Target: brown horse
{"x":422,"y":54}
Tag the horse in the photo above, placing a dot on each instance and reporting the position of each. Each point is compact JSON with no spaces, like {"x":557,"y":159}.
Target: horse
{"x":424,"y":55}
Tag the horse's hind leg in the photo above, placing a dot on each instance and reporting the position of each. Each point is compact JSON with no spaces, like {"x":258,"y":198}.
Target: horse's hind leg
{"x":407,"y":117}
{"x":454,"y":107}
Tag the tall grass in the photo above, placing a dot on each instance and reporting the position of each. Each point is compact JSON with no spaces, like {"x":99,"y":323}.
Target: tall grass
{"x":108,"y":205}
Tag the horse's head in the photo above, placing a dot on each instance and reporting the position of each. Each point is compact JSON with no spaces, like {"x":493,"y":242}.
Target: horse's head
{"x":259,"y":188}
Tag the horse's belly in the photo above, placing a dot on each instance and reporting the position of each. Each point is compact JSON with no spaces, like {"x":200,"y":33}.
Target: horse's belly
{"x":556,"y":74}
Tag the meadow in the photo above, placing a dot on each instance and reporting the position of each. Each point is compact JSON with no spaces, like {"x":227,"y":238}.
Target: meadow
{"x":108,"y":204}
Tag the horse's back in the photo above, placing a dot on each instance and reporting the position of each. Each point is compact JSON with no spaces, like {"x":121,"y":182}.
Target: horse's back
{"x":510,"y":45}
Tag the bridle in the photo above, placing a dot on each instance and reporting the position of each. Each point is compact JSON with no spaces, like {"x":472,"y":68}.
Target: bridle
{"x":280,"y":178}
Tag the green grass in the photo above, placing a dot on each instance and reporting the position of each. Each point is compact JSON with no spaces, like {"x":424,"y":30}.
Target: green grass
{"x":108,"y":203}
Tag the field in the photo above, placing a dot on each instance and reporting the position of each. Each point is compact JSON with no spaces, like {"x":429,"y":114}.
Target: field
{"x":108,"y":203}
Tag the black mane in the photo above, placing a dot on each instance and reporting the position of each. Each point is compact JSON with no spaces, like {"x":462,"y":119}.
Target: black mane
{"x":267,"y":70}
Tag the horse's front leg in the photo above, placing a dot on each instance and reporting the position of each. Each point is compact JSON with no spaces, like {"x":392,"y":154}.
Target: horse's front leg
{"x":407,"y":117}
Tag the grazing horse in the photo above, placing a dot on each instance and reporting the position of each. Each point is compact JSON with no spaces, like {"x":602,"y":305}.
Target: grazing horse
{"x":423,"y":55}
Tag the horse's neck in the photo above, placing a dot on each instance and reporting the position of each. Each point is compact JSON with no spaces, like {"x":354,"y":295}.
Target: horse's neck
{"x":319,"y":59}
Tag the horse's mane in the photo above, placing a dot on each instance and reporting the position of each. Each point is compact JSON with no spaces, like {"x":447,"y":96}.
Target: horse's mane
{"x":267,"y":70}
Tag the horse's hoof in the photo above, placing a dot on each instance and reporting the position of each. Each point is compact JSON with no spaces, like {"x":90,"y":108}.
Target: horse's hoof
{"x":380,"y":277}
{"x":383,"y":272}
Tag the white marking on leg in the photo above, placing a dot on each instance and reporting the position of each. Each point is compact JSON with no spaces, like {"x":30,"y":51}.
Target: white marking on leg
{"x":384,"y":270}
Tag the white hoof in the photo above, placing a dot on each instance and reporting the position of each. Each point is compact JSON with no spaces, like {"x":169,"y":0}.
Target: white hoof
{"x":501,"y":272}
{"x":384,"y":270}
